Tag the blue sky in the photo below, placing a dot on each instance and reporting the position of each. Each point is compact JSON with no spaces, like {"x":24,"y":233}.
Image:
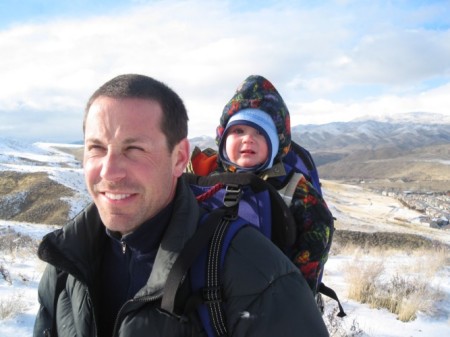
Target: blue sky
{"x":330,"y":60}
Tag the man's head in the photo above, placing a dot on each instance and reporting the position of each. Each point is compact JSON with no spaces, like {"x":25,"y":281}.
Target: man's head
{"x":174,"y":120}
{"x":135,"y":148}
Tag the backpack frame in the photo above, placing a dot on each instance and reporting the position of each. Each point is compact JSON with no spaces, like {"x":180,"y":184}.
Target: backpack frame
{"x":232,"y":208}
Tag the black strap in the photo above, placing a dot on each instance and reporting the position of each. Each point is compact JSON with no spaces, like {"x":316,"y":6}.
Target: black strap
{"x":212,"y":293}
{"x":228,"y":178}
{"x":212,"y":231}
{"x":284,"y":228}
{"x":188,"y":255}
{"x":323,"y":289}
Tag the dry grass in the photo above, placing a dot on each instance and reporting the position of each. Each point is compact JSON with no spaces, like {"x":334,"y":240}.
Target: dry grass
{"x":361,"y":278}
{"x":337,"y":327}
{"x":15,"y":244}
{"x":348,"y":240}
{"x":406,"y":293}
{"x":11,"y":306}
{"x":434,"y":260}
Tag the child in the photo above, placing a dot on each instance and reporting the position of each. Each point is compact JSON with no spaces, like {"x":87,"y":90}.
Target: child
{"x":254,"y":135}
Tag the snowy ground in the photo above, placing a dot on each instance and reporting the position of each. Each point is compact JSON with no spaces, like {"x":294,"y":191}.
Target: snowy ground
{"x":358,"y":209}
{"x":354,"y":208}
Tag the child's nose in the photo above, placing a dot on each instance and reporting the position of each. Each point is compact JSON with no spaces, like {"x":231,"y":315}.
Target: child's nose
{"x":248,"y":138}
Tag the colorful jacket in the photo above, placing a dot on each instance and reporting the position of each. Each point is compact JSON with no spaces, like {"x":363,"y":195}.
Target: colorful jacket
{"x":313,"y":218}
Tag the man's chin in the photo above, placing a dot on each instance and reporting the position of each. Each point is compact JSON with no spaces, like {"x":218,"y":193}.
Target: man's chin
{"x":118,"y":223}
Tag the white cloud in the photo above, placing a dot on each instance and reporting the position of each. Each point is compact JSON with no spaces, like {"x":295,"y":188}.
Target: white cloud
{"x":323,"y":111}
{"x":316,"y":55}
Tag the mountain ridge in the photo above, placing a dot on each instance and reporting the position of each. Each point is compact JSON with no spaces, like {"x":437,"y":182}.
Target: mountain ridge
{"x":383,"y":152}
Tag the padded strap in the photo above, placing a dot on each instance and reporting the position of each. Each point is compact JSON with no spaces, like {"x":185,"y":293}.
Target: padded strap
{"x":287,"y":192}
{"x":212,"y":293}
{"x":283,"y":232}
{"x":187,"y":257}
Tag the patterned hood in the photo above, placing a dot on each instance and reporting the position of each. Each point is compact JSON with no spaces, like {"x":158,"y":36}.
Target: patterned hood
{"x":258,"y":93}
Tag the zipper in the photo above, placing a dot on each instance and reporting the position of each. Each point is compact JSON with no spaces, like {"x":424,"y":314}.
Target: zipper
{"x":124,"y":246}
{"x":143,"y":299}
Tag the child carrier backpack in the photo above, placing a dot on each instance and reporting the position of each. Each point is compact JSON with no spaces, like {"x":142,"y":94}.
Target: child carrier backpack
{"x":233,"y":201}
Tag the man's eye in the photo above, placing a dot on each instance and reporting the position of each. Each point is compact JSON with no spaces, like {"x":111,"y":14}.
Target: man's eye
{"x":95,"y":147}
{"x":135,"y":148}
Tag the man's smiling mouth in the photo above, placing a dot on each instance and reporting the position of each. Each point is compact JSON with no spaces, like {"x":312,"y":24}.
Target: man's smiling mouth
{"x":114,"y":196}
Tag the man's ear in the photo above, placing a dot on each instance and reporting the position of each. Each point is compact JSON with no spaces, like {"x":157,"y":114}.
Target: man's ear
{"x":180,"y":157}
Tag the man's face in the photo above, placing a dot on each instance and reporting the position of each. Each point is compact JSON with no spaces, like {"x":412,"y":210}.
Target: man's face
{"x":129,"y":171}
{"x":246,"y":146}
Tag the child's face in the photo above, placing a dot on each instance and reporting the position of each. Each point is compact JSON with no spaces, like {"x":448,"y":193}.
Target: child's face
{"x":246,"y":146}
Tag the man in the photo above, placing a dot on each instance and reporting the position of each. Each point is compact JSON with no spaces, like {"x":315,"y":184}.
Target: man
{"x":107,"y":268}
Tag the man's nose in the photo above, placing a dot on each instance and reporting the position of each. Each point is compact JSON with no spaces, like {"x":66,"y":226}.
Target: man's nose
{"x":113,"y":168}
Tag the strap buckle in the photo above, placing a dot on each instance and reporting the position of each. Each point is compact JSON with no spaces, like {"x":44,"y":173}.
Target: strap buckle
{"x":212,"y":294}
{"x":232,"y":195}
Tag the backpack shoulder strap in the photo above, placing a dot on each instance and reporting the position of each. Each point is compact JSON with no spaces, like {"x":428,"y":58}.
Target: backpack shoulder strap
{"x":287,"y":192}
{"x":212,"y":231}
{"x":282,"y":235}
{"x":188,"y":255}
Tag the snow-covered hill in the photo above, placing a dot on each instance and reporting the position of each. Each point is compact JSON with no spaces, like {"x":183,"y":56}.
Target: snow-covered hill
{"x":355,"y":209}
{"x":404,"y":133}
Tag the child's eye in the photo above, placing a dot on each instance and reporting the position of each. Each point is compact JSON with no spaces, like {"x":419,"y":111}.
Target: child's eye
{"x":238,"y":131}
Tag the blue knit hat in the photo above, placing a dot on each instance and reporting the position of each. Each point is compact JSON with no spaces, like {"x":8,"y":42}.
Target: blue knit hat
{"x":261,"y":121}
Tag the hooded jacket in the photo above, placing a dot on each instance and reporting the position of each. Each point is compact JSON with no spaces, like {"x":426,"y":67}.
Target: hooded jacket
{"x":256,"y":92}
{"x":313,"y":218}
{"x":264,"y":296}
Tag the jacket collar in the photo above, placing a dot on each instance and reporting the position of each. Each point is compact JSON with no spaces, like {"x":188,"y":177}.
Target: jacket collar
{"x":181,"y":228}
{"x":77,"y":247}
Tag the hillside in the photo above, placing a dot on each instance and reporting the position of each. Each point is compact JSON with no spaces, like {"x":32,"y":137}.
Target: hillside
{"x":394,"y":155}
{"x":40,"y":183}
{"x":410,"y":152}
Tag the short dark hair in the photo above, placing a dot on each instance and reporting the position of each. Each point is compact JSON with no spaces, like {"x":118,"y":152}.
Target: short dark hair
{"x":174,"y":123}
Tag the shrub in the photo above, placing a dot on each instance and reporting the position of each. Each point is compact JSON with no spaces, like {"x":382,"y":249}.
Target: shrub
{"x":11,"y":306}
{"x":5,"y":274}
{"x":337,"y":328}
{"x":362,"y":277}
{"x":403,"y":295}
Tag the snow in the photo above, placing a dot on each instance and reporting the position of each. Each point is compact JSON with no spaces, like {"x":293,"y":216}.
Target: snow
{"x":354,"y":208}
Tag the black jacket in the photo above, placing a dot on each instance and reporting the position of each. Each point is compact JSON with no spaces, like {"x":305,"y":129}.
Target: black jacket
{"x":265,"y":293}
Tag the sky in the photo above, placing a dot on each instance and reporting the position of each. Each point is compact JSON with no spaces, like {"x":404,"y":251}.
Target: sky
{"x":330,"y":60}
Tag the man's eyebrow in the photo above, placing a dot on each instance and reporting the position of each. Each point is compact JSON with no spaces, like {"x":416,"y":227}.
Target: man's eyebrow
{"x":92,"y":140}
{"x":133,"y":140}
{"x":126,"y":141}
